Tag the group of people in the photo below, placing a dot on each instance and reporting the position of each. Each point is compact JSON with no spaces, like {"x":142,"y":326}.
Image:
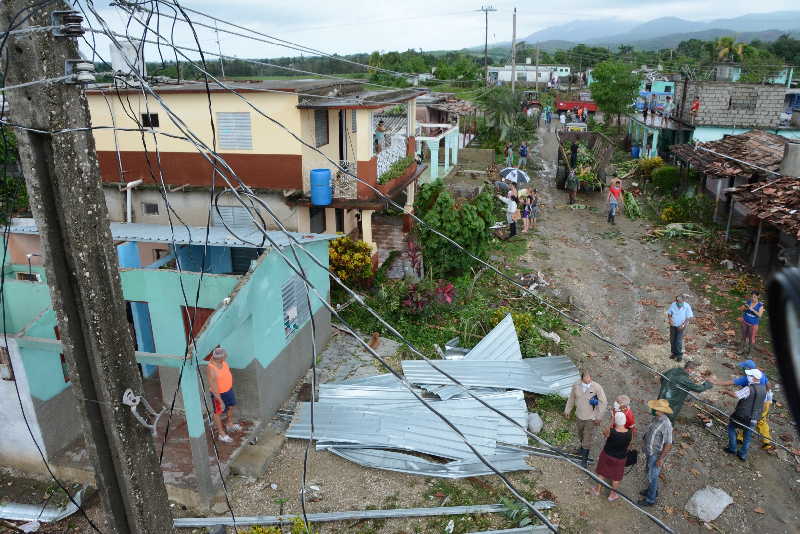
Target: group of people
{"x":522,"y":204}
{"x":522,"y":150}
{"x":651,"y":114}
{"x":618,"y":423}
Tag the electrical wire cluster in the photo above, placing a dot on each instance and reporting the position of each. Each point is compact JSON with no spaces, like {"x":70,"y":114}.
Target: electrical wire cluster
{"x":225,"y":181}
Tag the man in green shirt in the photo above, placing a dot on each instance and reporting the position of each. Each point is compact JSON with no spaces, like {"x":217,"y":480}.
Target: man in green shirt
{"x":678,"y":382}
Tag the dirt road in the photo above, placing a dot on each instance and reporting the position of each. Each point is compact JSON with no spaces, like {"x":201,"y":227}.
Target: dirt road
{"x":622,"y":286}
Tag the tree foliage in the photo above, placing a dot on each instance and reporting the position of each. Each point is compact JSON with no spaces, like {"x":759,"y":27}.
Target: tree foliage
{"x":503,"y":115}
{"x":466,"y":222}
{"x":13,"y":194}
{"x":615,"y":87}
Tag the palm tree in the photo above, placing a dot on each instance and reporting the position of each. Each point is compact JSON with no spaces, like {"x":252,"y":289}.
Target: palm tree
{"x":503,"y":112}
{"x":727,"y":49}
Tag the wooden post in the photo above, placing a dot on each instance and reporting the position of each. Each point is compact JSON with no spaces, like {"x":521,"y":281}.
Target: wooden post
{"x":758,"y":241}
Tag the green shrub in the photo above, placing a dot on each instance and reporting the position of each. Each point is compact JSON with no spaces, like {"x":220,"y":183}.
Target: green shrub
{"x":396,"y":170}
{"x":464,"y":221}
{"x":666,"y":179}
{"x":351,"y":260}
{"x":688,"y":209}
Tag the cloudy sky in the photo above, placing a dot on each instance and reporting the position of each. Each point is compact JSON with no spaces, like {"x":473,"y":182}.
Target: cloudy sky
{"x":362,"y":26}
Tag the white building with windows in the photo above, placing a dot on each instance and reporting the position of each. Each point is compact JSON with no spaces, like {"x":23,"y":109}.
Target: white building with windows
{"x":529,"y":73}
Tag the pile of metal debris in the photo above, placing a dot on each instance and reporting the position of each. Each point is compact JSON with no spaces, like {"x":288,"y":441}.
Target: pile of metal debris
{"x":378,"y":422}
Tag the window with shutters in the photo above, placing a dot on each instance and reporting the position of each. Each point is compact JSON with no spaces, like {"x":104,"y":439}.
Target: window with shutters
{"x":6,"y":371}
{"x":321,"y":127}
{"x":234,"y":217}
{"x":354,"y":120}
{"x":295,"y":305}
{"x":234,"y":130}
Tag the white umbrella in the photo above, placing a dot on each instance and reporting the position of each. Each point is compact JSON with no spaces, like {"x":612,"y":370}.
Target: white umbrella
{"x":512,"y":174}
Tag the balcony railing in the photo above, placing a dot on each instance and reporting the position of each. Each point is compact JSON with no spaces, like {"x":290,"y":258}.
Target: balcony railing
{"x":396,"y":150}
{"x":345,"y":186}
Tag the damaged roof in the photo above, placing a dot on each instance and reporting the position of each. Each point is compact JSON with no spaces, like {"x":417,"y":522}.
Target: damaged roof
{"x":776,"y":203}
{"x":757,"y":147}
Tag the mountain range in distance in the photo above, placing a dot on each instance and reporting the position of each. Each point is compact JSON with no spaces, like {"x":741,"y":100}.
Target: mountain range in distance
{"x":665,"y":32}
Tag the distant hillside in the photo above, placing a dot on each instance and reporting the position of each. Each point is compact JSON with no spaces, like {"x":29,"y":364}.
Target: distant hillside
{"x":672,"y":40}
{"x":613,"y":32}
{"x":585,"y":29}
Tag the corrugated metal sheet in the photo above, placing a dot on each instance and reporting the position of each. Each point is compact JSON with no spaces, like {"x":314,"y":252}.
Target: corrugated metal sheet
{"x":35,"y":512}
{"x":385,"y":380}
{"x":406,"y":463}
{"x":457,"y":392}
{"x":546,"y":375}
{"x":341,"y":423}
{"x":193,"y":235}
{"x":511,"y":403}
{"x":244,"y":521}
{"x":522,"y":530}
{"x":499,"y":344}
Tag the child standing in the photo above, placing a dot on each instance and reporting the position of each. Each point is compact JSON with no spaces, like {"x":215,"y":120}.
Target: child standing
{"x":534,"y":207}
{"x":526,"y":213}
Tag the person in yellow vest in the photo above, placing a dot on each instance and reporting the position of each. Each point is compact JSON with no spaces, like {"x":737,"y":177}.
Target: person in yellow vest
{"x":220,"y":384}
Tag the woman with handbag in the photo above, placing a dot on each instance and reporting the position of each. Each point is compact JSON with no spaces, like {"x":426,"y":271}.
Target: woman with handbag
{"x":614,"y":456}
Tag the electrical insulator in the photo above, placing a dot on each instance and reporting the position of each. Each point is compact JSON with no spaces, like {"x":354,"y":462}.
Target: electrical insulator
{"x":67,"y":23}
{"x":82,"y":71}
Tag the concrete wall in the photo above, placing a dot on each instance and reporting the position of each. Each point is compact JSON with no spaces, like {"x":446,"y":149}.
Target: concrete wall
{"x":260,"y":390}
{"x":17,"y":448}
{"x":191,"y":206}
{"x":311,"y":158}
{"x":192,"y":108}
{"x":716,"y":107}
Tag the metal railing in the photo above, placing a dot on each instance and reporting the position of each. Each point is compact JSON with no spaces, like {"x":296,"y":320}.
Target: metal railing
{"x":345,"y":186}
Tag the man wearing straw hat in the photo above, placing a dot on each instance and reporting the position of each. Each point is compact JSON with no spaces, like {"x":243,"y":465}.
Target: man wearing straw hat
{"x":657,"y":443}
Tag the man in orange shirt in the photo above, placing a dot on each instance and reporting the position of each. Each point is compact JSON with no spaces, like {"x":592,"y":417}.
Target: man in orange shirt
{"x":220,"y":384}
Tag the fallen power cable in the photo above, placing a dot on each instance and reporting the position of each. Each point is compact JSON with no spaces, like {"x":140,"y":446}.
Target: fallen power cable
{"x":356,"y":515}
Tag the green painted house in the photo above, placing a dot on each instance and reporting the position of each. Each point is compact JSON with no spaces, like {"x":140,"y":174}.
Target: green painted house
{"x":248,"y":300}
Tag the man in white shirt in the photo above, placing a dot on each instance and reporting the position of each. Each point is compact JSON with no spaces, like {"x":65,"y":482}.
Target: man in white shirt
{"x":678,"y":316}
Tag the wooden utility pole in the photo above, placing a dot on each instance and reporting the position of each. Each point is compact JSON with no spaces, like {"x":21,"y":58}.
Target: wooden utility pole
{"x":514,"y":53}
{"x":486,"y":10}
{"x":82,"y":268}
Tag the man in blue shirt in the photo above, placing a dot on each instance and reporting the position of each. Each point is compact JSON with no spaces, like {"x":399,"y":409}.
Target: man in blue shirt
{"x":751,"y":316}
{"x":678,"y":316}
{"x":523,"y":155}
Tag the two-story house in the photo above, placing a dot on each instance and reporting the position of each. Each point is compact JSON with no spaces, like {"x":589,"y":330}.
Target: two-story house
{"x":254,"y":130}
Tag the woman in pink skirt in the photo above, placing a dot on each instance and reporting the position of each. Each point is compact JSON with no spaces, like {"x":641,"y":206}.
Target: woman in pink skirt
{"x":611,"y":464}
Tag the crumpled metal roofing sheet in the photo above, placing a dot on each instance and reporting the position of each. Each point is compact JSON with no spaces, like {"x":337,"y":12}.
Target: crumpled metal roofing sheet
{"x":35,"y":512}
{"x":335,"y":422}
{"x":457,"y":392}
{"x":512,"y":403}
{"x":384,"y":380}
{"x":406,"y":463}
{"x":501,"y":343}
{"x":364,"y":394}
{"x":545,"y":375}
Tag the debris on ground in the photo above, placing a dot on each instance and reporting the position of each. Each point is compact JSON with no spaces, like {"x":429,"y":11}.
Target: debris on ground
{"x":378,"y":422}
{"x":708,"y":503}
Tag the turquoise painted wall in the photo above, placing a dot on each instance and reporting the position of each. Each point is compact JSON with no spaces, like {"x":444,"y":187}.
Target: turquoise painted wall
{"x":251,"y":326}
{"x":43,"y":367}
{"x":703,"y":134}
{"x":24,"y":302}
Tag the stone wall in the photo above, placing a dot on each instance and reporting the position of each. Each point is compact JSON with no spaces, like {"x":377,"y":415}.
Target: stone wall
{"x":742,"y":105}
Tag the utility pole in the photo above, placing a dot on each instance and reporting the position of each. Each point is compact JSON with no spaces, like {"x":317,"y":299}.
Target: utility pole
{"x":514,"y":53}
{"x":486,"y":10}
{"x":219,"y":47}
{"x":537,"y":70}
{"x":67,"y":201}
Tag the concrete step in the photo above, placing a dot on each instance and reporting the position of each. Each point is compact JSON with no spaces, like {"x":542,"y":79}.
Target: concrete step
{"x":252,"y":460}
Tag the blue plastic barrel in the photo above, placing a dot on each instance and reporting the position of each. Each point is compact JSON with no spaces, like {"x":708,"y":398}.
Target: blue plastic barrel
{"x":321,"y":189}
{"x":635,"y":152}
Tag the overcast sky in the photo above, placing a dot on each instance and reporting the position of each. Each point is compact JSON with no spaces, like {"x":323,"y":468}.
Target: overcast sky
{"x":350,"y":26}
